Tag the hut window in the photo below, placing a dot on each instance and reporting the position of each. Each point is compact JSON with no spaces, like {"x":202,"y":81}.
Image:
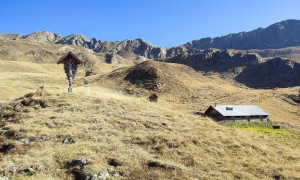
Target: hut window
{"x":229,"y":108}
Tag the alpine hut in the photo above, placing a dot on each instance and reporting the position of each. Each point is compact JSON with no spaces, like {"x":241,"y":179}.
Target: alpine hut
{"x":235,"y":113}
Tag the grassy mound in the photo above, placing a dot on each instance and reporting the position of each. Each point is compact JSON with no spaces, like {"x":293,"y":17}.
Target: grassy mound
{"x":150,"y":76}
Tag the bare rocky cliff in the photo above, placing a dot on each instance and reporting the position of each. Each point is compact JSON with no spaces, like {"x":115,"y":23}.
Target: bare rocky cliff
{"x":249,"y":69}
{"x":42,"y":37}
{"x":275,"y":72}
{"x":279,"y":35}
{"x":217,"y":60}
{"x":137,"y":47}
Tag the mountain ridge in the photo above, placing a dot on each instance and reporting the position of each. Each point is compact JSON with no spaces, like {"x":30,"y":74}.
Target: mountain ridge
{"x":230,"y":63}
{"x":278,"y":35}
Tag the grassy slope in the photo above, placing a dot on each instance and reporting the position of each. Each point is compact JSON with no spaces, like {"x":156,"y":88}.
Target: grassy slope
{"x":108,"y":124}
{"x":266,"y":128}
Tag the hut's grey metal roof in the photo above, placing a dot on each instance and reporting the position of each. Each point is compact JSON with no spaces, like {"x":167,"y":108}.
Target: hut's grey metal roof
{"x":240,"y":110}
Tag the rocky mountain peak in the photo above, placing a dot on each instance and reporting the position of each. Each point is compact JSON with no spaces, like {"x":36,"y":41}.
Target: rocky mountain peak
{"x":143,"y":41}
{"x":94,"y":40}
{"x":43,"y":37}
{"x":75,"y":39}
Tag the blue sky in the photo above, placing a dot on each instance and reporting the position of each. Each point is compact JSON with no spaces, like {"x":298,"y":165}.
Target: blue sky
{"x":161,"y":22}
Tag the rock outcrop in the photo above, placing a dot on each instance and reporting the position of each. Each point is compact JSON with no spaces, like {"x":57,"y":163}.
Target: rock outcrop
{"x":11,"y":36}
{"x":127,"y":48}
{"x":247,"y":68}
{"x":43,"y":37}
{"x":276,"y":72}
{"x":77,"y":40}
{"x":217,"y":60}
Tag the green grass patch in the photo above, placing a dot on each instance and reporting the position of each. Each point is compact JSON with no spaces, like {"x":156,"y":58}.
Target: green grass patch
{"x":266,"y":128}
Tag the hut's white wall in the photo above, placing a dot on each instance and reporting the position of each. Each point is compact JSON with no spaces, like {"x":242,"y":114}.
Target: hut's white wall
{"x":246,"y":119}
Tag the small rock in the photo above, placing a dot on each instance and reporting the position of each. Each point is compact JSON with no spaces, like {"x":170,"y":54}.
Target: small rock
{"x":116,"y":174}
{"x":69,"y":140}
{"x":12,"y":169}
{"x":18,"y":108}
{"x":45,"y":137}
{"x":24,"y":142}
{"x":97,"y":120}
{"x":102,"y":175}
{"x":42,"y":167}
{"x":49,"y":125}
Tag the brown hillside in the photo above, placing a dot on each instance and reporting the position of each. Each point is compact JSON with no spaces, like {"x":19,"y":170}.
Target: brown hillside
{"x":152,"y":76}
{"x":184,"y":86}
{"x":132,"y":138}
{"x":101,"y":129}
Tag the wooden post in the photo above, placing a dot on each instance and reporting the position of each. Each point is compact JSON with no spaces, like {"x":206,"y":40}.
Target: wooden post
{"x":70,"y":89}
{"x":70,"y":78}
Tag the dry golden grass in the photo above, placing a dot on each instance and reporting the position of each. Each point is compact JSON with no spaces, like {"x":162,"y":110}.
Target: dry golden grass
{"x":162,"y":140}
